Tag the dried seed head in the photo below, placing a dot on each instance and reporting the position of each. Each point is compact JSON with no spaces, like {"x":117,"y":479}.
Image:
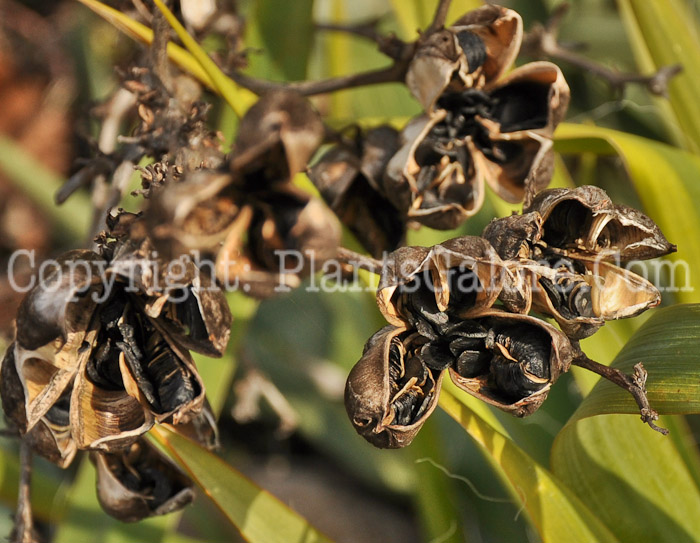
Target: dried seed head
{"x":585,"y":221}
{"x":391,"y":392}
{"x":428,"y":289}
{"x":476,"y":50}
{"x":508,"y":360}
{"x":140,"y":482}
{"x":349,"y":177}
{"x":276,"y":138}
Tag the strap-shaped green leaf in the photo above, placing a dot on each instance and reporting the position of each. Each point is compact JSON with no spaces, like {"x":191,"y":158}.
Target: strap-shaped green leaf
{"x":666,"y":181}
{"x":555,"y":512}
{"x":640,"y":483}
{"x":663,"y":34}
{"x":258,"y":515}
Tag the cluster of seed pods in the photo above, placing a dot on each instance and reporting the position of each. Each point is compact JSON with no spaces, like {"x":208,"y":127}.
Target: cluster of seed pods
{"x":463,"y":307}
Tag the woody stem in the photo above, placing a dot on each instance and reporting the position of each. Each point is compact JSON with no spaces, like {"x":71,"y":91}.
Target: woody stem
{"x":23,"y":531}
{"x":634,"y":384}
{"x":356,"y":260}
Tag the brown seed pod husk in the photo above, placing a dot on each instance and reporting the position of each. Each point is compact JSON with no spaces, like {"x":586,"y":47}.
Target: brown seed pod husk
{"x":390,"y":392}
{"x":425,"y":287}
{"x":140,"y":482}
{"x":276,"y":138}
{"x":477,"y":49}
{"x":584,"y":301}
{"x":585,"y":221}
{"x":349,"y":177}
{"x":432,"y":188}
{"x":525,"y":357}
{"x":50,"y":436}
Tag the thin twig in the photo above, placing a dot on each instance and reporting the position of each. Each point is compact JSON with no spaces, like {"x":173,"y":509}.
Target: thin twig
{"x":23,"y":531}
{"x":635,"y":384}
{"x":542,"y":41}
{"x":391,"y":74}
{"x":356,"y":260}
{"x":439,"y":18}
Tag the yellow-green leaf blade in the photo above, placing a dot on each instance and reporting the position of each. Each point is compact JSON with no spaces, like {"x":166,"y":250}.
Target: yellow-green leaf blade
{"x":238,"y":98}
{"x":669,"y":31}
{"x":555,"y":512}
{"x":259,"y":516}
{"x":665,"y":178}
{"x":143,"y":34}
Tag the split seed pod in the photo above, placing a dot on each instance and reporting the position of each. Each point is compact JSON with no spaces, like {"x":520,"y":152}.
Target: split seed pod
{"x":349,"y":177}
{"x":499,"y":134}
{"x":140,"y":482}
{"x":427,"y":288}
{"x":508,"y":360}
{"x":391,"y":392}
{"x":241,"y":219}
{"x":584,"y":221}
{"x":476,"y":50}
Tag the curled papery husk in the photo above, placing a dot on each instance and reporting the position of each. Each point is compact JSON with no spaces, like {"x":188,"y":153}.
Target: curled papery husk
{"x":349,"y":177}
{"x":276,"y":138}
{"x":289,"y":235}
{"x":514,"y":236}
{"x":585,"y":221}
{"x":391,"y":392}
{"x":195,"y":214}
{"x":427,"y":288}
{"x":140,"y":482}
{"x":53,"y":325}
{"x":589,"y":293}
{"x":508,"y":360}
{"x":528,"y":104}
{"x":475,"y":50}
{"x":50,"y":436}
{"x":190,"y":305}
{"x":431,"y":188}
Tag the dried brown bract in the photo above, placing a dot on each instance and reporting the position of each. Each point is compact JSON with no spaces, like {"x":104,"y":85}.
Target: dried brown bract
{"x":350,"y":179}
{"x":244,"y":218}
{"x":391,"y":391}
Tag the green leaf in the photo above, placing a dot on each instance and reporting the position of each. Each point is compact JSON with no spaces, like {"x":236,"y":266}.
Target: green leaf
{"x":143,"y":34}
{"x":40,"y":184}
{"x":667,"y":345}
{"x":640,"y":483}
{"x":555,"y":512}
{"x":664,"y":34}
{"x":238,"y":98}
{"x":258,"y":515}
{"x":287,"y":33}
{"x":664,"y":178}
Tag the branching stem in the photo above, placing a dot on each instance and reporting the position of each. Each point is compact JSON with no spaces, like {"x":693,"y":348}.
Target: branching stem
{"x":635,"y":384}
{"x":356,"y":260}
{"x":542,"y":41}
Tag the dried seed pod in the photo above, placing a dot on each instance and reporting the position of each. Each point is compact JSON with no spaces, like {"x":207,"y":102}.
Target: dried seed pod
{"x":511,"y":360}
{"x":500,"y":135}
{"x":582,"y":293}
{"x":477,"y":49}
{"x":349,"y":177}
{"x":513,"y":237}
{"x":428,"y":288}
{"x":276,"y":138}
{"x":140,"y":482}
{"x":432,"y":178}
{"x":585,"y":221}
{"x":50,"y":436}
{"x":391,"y":392}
